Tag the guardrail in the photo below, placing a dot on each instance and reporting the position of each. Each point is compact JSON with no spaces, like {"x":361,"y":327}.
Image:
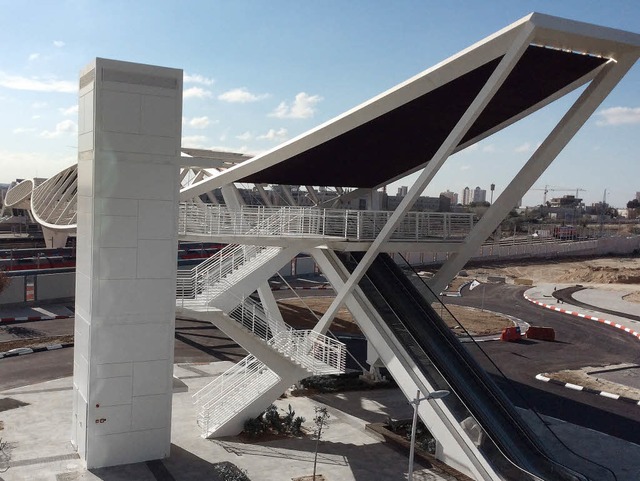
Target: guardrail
{"x":197,"y":287}
{"x":316,"y":352}
{"x":230,"y":392}
{"x":364,"y":225}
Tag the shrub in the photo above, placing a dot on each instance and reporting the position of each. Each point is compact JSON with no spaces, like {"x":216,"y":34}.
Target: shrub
{"x":296,"y":426}
{"x":253,"y":427}
{"x":350,"y":381}
{"x":271,"y":421}
{"x":272,"y":417}
{"x":230,"y":472}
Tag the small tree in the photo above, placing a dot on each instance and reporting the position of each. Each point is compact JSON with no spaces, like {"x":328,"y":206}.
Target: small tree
{"x":321,"y":420}
{"x":5,"y":456}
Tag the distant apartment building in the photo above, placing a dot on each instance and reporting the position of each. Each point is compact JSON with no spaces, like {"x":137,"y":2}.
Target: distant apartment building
{"x":479,"y":195}
{"x":422,"y":203}
{"x":466,"y":196}
{"x":402,"y":191}
{"x":451,"y":196}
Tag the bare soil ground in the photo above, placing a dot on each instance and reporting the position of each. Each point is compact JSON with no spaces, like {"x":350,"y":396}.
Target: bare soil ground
{"x":613,"y":273}
{"x":296,"y":314}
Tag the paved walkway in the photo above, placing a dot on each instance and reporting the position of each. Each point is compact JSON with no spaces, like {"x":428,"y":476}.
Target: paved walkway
{"x":38,"y":434}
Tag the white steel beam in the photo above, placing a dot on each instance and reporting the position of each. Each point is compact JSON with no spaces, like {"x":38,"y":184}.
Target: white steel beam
{"x":507,"y":63}
{"x":559,"y":137}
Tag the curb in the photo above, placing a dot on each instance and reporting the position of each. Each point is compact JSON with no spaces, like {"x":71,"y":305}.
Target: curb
{"x":585,"y":316}
{"x":52,"y":347}
{"x":575,"y":387}
{"x":30,"y":318}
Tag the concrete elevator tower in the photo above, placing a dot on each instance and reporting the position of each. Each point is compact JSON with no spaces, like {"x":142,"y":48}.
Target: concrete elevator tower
{"x":129,"y":136}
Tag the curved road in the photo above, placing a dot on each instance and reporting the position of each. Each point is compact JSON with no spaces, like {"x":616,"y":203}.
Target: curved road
{"x":579,"y":343}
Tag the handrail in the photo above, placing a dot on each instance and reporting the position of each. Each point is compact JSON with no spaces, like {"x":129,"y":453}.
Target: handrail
{"x":219,"y":220}
{"x":314,"y":351}
{"x":213,"y":397}
{"x":201,"y":284}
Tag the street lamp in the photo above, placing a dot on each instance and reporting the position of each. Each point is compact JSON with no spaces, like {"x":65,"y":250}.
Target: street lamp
{"x":416,"y":402}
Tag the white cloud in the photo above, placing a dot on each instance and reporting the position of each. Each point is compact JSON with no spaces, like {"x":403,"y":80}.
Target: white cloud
{"x":22,"y":130}
{"x":196,"y":93}
{"x":303,"y":107}
{"x":58,"y":43}
{"x":490,"y":148}
{"x":194,"y":141}
{"x":197,"y":79}
{"x":69,"y":110}
{"x":64,"y":127}
{"x":199,"y":122}
{"x":619,"y":115}
{"x":39,"y":105}
{"x":240,"y":95}
{"x":36,"y":84}
{"x":244,"y":136}
{"x":34,"y":56}
{"x":526,"y":147}
{"x":275,"y":135}
{"x":465,"y":167}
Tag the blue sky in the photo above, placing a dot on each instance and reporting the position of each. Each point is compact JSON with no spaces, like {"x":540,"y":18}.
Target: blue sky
{"x":258,"y":73}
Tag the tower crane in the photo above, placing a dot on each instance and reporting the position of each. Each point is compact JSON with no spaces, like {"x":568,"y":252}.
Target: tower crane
{"x":550,"y":188}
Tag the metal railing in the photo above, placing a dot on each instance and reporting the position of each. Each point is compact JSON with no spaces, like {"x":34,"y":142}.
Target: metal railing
{"x":236,"y":388}
{"x":363,"y":225}
{"x":231,"y":392}
{"x":317,"y":353}
{"x":199,"y":286}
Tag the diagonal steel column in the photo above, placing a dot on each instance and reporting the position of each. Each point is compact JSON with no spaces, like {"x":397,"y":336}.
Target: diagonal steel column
{"x":608,"y":77}
{"x":499,"y":75}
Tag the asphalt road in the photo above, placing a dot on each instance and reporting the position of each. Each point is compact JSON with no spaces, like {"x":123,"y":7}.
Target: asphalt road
{"x":579,"y":343}
{"x":195,"y":341}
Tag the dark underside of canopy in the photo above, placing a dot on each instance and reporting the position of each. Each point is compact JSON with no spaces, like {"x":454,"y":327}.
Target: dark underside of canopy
{"x":408,"y":136}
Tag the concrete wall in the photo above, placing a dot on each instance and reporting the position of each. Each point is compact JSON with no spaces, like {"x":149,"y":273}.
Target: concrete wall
{"x":14,"y":292}
{"x":55,"y":286}
{"x":604,"y":246}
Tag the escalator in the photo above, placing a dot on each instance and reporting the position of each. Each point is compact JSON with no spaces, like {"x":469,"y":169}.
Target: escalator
{"x":509,"y":443}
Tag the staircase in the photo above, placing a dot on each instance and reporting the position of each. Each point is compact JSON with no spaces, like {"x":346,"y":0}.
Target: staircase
{"x":218,"y":290}
{"x":249,"y":387}
{"x":222,"y":399}
{"x":199,"y":288}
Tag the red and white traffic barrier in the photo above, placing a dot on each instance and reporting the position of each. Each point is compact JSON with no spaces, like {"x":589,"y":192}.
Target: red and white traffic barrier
{"x":585,"y":316}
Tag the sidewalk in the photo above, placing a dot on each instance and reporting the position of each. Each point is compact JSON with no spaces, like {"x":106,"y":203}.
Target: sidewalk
{"x":39,"y":430}
{"x":607,"y":299}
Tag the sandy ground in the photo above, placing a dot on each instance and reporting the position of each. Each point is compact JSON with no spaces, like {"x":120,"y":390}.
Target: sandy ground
{"x":296,"y":312}
{"x":613,"y":273}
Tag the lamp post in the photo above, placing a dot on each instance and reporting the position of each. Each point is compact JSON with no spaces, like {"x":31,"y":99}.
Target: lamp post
{"x":416,"y":402}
